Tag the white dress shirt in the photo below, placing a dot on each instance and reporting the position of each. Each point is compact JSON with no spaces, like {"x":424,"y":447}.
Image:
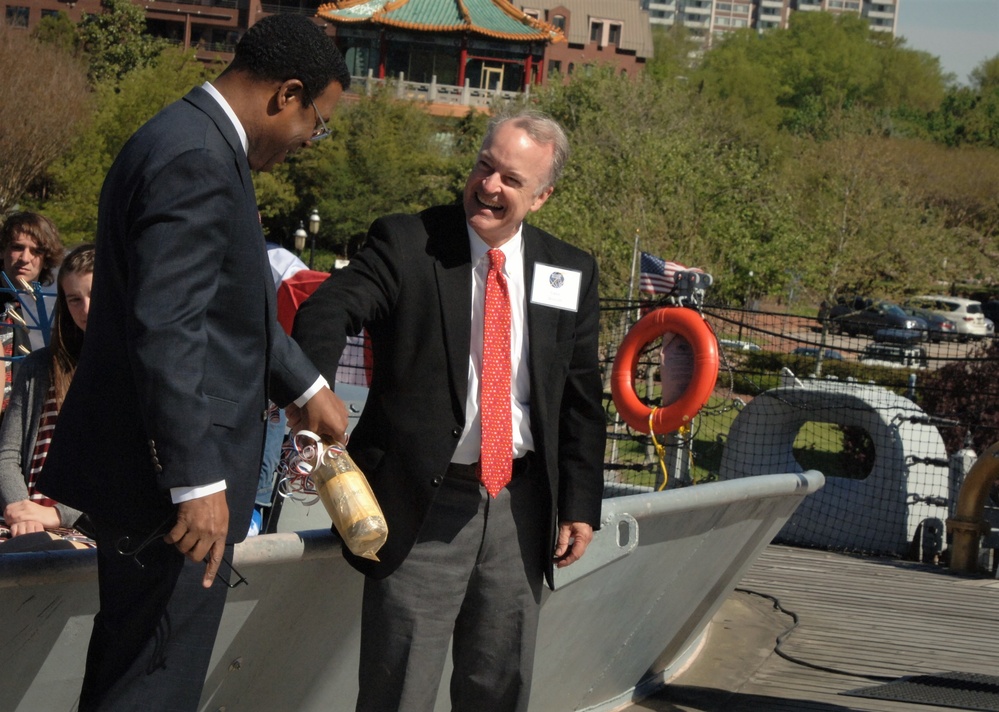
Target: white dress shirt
{"x":470,"y":443}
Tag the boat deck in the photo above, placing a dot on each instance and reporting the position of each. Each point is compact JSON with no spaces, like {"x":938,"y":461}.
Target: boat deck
{"x":872,"y":617}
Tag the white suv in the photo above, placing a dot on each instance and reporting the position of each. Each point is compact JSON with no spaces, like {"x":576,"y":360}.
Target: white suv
{"x":966,"y":314}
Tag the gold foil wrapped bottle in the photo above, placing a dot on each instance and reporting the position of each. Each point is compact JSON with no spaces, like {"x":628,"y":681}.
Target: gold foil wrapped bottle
{"x":347,"y":496}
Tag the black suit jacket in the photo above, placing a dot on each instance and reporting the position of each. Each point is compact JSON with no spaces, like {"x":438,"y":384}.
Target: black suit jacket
{"x":172,"y":385}
{"x":410,"y":287}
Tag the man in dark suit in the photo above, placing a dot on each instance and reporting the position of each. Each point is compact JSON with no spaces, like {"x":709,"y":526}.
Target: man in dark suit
{"x":160,"y":436}
{"x":463,"y":557}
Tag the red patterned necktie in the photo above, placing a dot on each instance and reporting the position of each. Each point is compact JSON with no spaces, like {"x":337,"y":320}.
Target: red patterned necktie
{"x":496,"y":458}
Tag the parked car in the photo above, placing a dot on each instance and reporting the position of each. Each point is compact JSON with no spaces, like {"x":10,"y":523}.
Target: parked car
{"x":862,"y":316}
{"x":894,"y":356}
{"x":967,"y":314}
{"x":900,"y":336}
{"x":941,"y":328}
{"x":739,"y":345}
{"x":991,"y":310}
{"x":813,"y":352}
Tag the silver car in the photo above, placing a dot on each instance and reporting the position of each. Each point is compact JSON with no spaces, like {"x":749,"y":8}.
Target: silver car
{"x":967,"y":315}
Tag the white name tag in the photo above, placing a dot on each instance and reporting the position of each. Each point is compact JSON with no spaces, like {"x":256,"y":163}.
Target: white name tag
{"x":556,"y":286}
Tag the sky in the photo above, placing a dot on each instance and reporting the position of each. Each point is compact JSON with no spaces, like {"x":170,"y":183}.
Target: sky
{"x":960,"y":32}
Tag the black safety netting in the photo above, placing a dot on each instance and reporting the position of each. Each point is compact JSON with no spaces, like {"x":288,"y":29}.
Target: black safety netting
{"x":887,"y":418}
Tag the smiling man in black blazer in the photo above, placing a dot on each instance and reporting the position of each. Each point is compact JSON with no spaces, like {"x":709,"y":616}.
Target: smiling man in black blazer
{"x":461,"y":559}
{"x":160,"y":436}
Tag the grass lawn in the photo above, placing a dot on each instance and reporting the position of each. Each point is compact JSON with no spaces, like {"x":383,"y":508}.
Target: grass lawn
{"x":817,"y":446}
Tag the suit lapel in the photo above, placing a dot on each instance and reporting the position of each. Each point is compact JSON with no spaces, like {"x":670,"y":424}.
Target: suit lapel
{"x":542,"y":321}
{"x":204,"y":101}
{"x":452,"y":268}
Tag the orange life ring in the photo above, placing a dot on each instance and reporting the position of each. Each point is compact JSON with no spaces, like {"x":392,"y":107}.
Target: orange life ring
{"x":688,"y":324}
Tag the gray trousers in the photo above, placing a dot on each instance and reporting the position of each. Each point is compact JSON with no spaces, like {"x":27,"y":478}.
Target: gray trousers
{"x":474,"y":574}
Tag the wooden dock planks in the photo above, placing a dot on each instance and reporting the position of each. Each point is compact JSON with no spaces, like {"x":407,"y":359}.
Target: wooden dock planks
{"x":865,"y":616}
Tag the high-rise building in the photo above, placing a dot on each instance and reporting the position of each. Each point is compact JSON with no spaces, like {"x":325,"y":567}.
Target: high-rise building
{"x":708,"y":18}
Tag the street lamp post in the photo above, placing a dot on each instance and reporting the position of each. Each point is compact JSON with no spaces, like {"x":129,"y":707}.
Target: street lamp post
{"x":300,"y":236}
{"x":313,"y":230}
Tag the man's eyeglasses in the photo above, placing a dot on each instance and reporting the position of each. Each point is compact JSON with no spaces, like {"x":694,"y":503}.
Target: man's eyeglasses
{"x":126,"y":547}
{"x":322,"y":130}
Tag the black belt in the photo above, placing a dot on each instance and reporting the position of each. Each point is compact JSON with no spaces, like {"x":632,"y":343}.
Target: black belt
{"x":471,"y":472}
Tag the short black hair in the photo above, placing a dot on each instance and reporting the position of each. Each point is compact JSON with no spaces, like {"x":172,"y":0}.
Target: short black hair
{"x":286,"y":46}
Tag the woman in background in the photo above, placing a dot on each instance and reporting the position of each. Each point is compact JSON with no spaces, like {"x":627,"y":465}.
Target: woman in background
{"x":39,"y":389}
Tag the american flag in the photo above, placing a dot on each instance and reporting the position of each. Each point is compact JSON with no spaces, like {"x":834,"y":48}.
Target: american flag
{"x":657,"y":275}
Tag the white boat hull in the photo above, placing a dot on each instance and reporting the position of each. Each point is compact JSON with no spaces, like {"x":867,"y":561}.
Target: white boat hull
{"x":620,"y":624}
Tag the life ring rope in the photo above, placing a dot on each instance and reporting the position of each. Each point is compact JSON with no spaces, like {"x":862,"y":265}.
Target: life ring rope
{"x":688,"y":324}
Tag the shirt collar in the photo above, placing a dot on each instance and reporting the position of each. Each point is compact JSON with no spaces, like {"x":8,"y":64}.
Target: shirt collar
{"x":207,"y":86}
{"x":512,"y":248}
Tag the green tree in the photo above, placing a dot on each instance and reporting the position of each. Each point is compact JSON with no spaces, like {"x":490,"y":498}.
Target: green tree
{"x":970,"y":115}
{"x":122,"y":108}
{"x":651,"y":159}
{"x":384,"y":156}
{"x":115,"y":40}
{"x":744,"y":76}
{"x":57,"y":30}
{"x":959,"y":190}
{"x":985,"y":77}
{"x":673,"y":53}
{"x":823,"y":76}
{"x":867,"y":228}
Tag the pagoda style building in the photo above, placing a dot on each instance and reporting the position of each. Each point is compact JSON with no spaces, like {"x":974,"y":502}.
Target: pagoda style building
{"x":490,"y":43}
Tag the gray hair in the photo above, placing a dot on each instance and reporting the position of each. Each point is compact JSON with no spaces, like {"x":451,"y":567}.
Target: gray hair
{"x":543,"y":129}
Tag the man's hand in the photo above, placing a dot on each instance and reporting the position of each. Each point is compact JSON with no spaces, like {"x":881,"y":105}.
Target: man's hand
{"x":200,"y":531}
{"x":573,"y":538}
{"x":26,"y":516}
{"x":324,"y":414}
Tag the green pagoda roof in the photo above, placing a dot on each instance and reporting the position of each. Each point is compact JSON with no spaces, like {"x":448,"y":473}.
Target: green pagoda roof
{"x":496,"y":19}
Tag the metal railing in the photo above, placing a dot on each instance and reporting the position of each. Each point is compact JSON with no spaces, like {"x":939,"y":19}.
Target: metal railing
{"x":433,"y":92}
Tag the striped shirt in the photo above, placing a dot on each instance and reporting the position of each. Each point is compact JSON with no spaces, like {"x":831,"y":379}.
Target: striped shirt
{"x":46,"y":425}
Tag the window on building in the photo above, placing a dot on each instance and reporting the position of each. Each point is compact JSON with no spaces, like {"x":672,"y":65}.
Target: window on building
{"x":596,"y":31}
{"x":536,"y":14}
{"x":572,"y":68}
{"x":17,"y":16}
{"x":614,"y":35}
{"x":742,"y":9}
{"x":724,"y":7}
{"x":554,"y":66}
{"x":739,"y":22}
{"x":559,"y":22}
{"x":50,"y":13}
{"x":723,"y":21}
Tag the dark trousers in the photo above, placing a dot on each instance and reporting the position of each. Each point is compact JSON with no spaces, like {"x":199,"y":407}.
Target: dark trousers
{"x":153,"y":636}
{"x":475,"y":573}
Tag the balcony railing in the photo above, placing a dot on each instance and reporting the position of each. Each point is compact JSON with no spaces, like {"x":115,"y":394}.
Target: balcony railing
{"x":227,"y":47}
{"x":433,"y":92}
{"x":227,"y":4}
{"x":287,"y":9}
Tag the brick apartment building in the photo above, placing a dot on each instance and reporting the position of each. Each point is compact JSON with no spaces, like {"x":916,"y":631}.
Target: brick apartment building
{"x":506,"y":49}
{"x":492,"y":43}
